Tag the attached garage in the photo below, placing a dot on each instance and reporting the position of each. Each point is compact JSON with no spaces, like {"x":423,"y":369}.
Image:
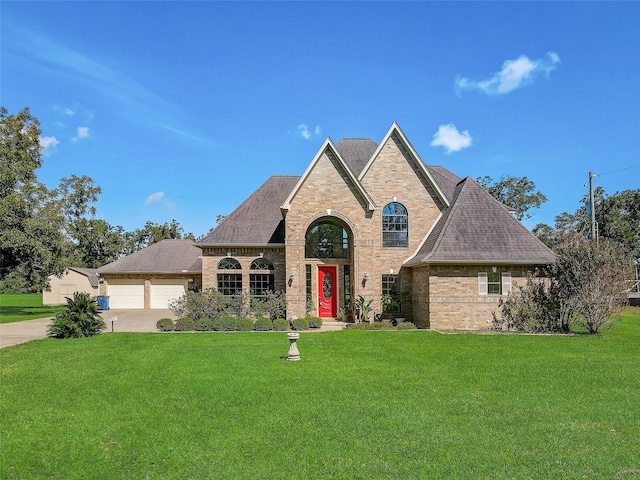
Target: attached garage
{"x":126,"y":293}
{"x":152,"y":277}
{"x":164,"y":291}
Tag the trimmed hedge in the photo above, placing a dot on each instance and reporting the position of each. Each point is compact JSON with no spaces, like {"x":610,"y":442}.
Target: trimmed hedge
{"x":406,"y":326}
{"x":205,"y":325}
{"x":300,"y":324}
{"x":263,"y":324}
{"x":226,"y":323}
{"x":165,"y":325}
{"x":314,"y":322}
{"x":245,"y":325}
{"x":185,"y":324}
{"x":280,"y":325}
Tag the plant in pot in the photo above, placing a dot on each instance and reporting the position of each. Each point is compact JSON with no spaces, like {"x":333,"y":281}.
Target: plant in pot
{"x":345,"y":313}
{"x":363,"y":308}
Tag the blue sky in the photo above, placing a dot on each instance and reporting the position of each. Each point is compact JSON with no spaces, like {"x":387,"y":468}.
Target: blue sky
{"x":182,"y":109}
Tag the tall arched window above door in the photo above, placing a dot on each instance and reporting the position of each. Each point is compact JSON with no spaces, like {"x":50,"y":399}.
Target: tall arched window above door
{"x":395,"y":225}
{"x":326,"y":239}
{"x":229,"y":277}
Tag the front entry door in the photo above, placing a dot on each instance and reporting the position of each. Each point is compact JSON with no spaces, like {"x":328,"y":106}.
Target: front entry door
{"x":327,"y":292}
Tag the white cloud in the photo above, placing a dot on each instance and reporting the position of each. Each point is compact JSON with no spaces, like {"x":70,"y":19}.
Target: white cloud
{"x":48,"y":145}
{"x":82,"y":132}
{"x":451,"y":139}
{"x":305,"y":133}
{"x":514,"y":74}
{"x":154,"y":197}
{"x":68,"y":111}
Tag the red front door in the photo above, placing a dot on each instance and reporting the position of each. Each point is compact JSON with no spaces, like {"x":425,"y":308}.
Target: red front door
{"x":327,"y":292}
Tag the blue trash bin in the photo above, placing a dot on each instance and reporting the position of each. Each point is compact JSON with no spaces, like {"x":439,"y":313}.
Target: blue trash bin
{"x":103,"y":302}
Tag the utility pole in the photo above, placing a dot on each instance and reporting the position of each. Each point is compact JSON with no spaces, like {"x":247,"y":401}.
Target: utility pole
{"x":593,"y":207}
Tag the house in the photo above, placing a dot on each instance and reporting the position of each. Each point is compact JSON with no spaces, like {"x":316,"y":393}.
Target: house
{"x":74,"y":279}
{"x":152,"y":277}
{"x":371,"y":219}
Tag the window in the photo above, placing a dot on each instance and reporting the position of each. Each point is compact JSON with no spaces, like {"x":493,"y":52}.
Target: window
{"x":347,"y":286}
{"x":261,"y":278}
{"x":326,"y":240}
{"x":307,"y":271}
{"x":395,"y":225}
{"x":391,"y":287}
{"x":229,"y":284}
{"x":494,"y":283}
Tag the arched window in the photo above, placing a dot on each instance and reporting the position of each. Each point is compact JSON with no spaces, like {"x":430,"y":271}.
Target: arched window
{"x":395,"y":225}
{"x":326,"y":239}
{"x":229,"y":283}
{"x":261,"y":277}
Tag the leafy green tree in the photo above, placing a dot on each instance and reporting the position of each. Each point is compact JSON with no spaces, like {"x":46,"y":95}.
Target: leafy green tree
{"x":97,"y":242}
{"x":154,"y":233}
{"x":517,"y":193}
{"x":78,"y":319}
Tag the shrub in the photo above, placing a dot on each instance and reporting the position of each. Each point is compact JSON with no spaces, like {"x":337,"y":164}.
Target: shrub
{"x":79,"y":318}
{"x":205,"y":325}
{"x":300,"y":324}
{"x":314,"y":322}
{"x":406,"y":326}
{"x":280,"y":325}
{"x":272,"y":305}
{"x":165,"y":325}
{"x":226,"y":323}
{"x":380,"y":326}
{"x":263,"y":324}
{"x":185,"y":324}
{"x":245,"y":325}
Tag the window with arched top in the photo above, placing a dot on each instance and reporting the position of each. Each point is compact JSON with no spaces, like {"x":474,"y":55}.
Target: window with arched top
{"x":395,"y":225}
{"x":261,"y":277}
{"x":229,"y":284}
{"x":326,"y":239}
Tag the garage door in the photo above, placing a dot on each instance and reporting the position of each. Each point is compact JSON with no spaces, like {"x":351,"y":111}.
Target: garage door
{"x":164,"y":291}
{"x":126,"y":293}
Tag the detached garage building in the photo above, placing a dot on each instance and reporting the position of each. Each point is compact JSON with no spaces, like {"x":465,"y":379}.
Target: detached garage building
{"x":73,"y":280}
{"x":152,"y":277}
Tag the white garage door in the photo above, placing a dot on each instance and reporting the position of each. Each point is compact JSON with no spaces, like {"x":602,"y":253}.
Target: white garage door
{"x":126,"y":294}
{"x":164,"y":291}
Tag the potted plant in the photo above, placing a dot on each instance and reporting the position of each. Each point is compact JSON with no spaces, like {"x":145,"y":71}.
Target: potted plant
{"x":345,"y":313}
{"x":364,"y":308}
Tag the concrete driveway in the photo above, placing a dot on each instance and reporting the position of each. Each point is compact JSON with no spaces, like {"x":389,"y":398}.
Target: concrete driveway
{"x":126,"y":321}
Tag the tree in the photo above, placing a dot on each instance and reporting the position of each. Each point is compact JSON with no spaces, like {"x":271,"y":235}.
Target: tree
{"x":617,"y":218}
{"x":514,"y":192}
{"x":97,"y":242}
{"x":78,"y":319}
{"x":31,"y":238}
{"x":587,"y":284}
{"x":154,"y":233}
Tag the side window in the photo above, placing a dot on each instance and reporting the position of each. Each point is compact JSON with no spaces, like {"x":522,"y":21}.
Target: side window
{"x":395,"y":225}
{"x":261,"y":277}
{"x":229,"y":277}
{"x":494,"y":283}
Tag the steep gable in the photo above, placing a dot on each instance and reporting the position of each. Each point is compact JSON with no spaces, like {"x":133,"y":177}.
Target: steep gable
{"x":333,"y":164}
{"x":258,"y":220}
{"x":476,"y":228}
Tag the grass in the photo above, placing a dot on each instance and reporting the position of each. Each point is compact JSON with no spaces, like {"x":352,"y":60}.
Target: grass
{"x":14,"y":308}
{"x":413,"y":404}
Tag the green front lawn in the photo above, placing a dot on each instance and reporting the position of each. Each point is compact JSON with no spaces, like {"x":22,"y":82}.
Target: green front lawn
{"x":413,"y":404}
{"x":14,"y":308}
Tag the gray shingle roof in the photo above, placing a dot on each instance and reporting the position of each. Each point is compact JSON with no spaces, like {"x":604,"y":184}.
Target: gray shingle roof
{"x":476,"y":228}
{"x":90,"y":273}
{"x":258,"y":220}
{"x":167,"y":256}
{"x":356,"y":152}
{"x":445,"y":179}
